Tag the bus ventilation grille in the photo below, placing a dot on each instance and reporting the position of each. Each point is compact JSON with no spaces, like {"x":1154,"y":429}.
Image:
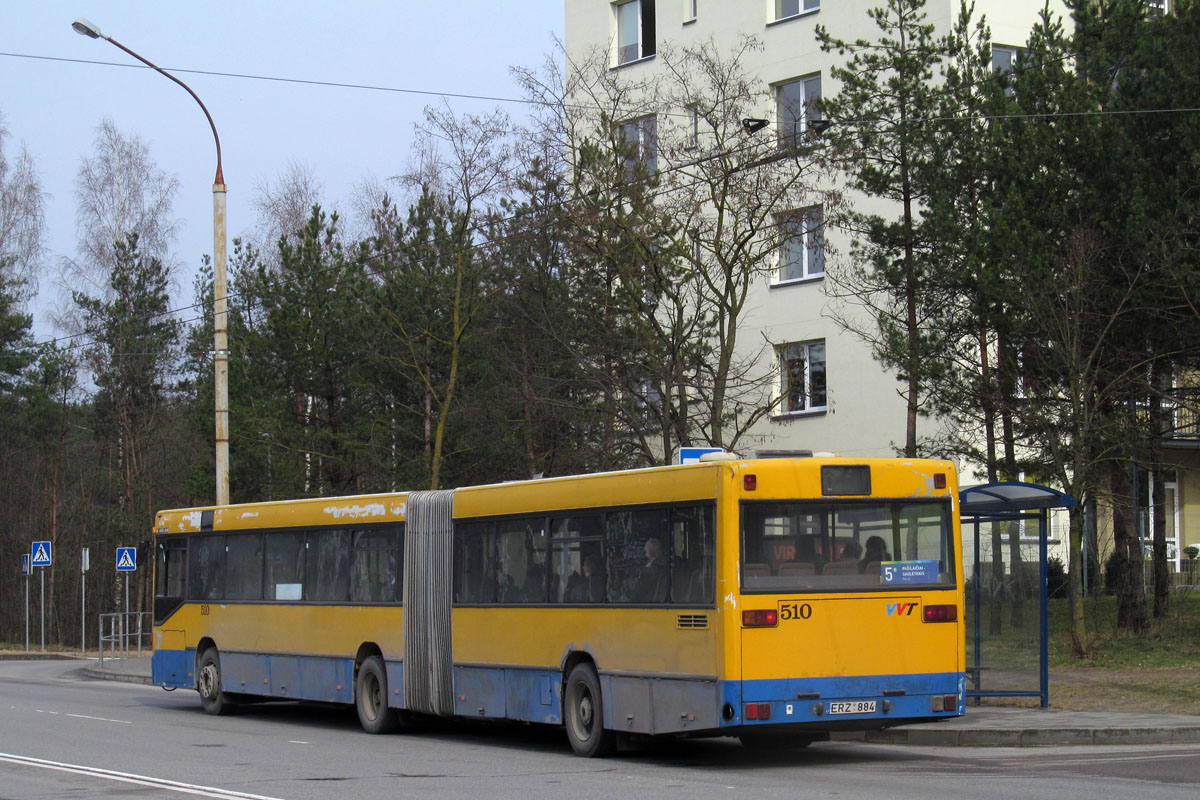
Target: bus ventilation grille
{"x":692,"y":621}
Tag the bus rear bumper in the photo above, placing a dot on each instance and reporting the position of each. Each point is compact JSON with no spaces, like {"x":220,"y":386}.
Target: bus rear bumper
{"x":173,"y":669}
{"x":844,"y":702}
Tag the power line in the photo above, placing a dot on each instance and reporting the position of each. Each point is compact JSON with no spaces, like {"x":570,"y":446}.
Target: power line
{"x":280,"y":79}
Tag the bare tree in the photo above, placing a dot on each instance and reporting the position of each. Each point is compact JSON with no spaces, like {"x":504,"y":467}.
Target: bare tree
{"x":462,"y":166}
{"x":119,"y":191}
{"x":22,"y":222}
{"x":684,"y":211}
{"x":285,"y":205}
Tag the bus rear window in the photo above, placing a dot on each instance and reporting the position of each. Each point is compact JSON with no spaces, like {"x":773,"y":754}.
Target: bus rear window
{"x":804,"y":546}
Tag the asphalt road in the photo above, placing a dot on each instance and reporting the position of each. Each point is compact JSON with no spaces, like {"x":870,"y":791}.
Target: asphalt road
{"x":64,"y":735}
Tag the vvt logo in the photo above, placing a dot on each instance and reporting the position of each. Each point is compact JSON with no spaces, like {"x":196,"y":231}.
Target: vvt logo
{"x":901,"y":609}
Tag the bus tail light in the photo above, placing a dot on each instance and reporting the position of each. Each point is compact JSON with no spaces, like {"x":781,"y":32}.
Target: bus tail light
{"x":944,"y":613}
{"x":944,"y":702}
{"x":758,"y":711}
{"x":750,"y":482}
{"x":760,"y":618}
{"x":939,"y":480}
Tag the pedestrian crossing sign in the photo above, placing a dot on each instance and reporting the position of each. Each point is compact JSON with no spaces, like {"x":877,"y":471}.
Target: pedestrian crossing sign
{"x":126,"y":559}
{"x":40,"y":554}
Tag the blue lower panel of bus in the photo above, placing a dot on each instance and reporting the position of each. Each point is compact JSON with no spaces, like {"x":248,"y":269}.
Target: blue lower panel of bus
{"x":172,"y":669}
{"x":528,"y":695}
{"x":844,"y":701}
{"x":297,"y":677}
{"x":635,"y":703}
{"x":327,"y":679}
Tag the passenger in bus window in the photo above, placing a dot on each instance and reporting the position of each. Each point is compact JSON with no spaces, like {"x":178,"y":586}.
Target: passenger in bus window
{"x":651,"y":584}
{"x":589,"y":587}
{"x":876,"y":551}
{"x":535,"y":584}
{"x":852,"y":551}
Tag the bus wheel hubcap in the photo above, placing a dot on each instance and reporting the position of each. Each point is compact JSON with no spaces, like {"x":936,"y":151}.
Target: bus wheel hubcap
{"x":585,"y":711}
{"x":207,"y":680}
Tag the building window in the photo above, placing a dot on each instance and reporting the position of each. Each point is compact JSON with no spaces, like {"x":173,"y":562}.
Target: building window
{"x":1156,"y":8}
{"x":802,"y":245}
{"x":794,"y":8}
{"x":802,"y":377}
{"x":1004,"y":58}
{"x":640,"y":138}
{"x":635,"y":30}
{"x":693,"y":134}
{"x":689,"y":11}
{"x":796,"y":107}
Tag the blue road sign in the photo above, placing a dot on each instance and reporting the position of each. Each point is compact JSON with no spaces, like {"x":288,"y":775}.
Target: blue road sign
{"x":40,"y":554}
{"x":691,"y":455}
{"x":25,"y":568}
{"x":126,"y":559}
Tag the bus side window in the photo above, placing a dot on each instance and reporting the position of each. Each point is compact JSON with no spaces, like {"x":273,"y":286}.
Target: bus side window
{"x":374,"y":566}
{"x":206,"y":568}
{"x":692,"y":546}
{"x":244,"y":566}
{"x":285,"y":566}
{"x":474,"y":562}
{"x":327,"y":577}
{"x":577,"y":559}
{"x":639,"y":561}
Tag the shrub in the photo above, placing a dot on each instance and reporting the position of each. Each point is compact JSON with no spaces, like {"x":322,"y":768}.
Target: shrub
{"x":1056,"y":577}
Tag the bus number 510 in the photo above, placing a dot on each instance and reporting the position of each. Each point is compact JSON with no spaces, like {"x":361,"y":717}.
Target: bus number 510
{"x":795,"y":611}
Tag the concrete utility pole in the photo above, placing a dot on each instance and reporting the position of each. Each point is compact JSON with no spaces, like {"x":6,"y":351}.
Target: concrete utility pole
{"x":220,"y":312}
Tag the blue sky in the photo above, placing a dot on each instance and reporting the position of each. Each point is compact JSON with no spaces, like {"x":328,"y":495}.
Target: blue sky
{"x":343,"y":135}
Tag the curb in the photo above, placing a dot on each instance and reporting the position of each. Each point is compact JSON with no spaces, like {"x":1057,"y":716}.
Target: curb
{"x":1034,"y":737}
{"x":104,"y":675}
{"x":38,"y":656}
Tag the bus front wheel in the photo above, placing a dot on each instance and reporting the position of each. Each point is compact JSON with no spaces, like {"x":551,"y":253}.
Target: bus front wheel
{"x":208,"y":684}
{"x":583,"y":714}
{"x":371,"y":698}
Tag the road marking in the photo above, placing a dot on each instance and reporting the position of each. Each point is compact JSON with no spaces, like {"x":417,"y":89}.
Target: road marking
{"x":101,"y":719}
{"x":293,"y":741}
{"x":128,"y":777}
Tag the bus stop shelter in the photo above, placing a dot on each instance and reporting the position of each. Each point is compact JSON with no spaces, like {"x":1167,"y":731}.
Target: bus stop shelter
{"x":1012,"y":501}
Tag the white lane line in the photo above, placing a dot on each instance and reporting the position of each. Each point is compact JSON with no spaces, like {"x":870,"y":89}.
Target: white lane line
{"x":128,"y":777}
{"x":293,"y":741}
{"x":100,"y":719}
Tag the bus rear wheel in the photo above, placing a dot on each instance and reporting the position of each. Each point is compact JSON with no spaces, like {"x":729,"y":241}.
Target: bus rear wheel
{"x":371,"y":698}
{"x":208,"y":684}
{"x":583,"y":713}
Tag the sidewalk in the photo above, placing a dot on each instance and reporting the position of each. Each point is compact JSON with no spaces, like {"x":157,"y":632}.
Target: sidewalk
{"x":983,"y":726}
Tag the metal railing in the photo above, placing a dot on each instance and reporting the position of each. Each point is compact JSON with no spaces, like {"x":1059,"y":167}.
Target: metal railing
{"x":122,"y":631}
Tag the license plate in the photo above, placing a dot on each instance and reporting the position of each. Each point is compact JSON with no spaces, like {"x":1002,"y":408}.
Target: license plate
{"x":854,"y":707}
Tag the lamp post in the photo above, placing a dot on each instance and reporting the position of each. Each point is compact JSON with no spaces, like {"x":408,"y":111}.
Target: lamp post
{"x":220,"y":315}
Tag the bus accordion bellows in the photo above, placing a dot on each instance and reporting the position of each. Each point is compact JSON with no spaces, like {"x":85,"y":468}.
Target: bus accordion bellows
{"x":776,"y":600}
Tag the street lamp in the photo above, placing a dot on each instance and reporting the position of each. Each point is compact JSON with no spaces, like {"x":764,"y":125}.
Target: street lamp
{"x":220,"y":315}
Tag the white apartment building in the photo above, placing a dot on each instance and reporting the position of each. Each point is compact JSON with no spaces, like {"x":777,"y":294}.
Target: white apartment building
{"x":846,"y":403}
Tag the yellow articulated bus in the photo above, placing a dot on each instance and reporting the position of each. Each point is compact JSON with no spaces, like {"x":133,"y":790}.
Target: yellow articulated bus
{"x":774,"y":600}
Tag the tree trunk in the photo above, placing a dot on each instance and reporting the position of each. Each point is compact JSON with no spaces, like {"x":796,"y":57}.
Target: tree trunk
{"x":1162,"y":573}
{"x":1158,"y":510}
{"x":1131,"y":592}
{"x":1079,"y":642}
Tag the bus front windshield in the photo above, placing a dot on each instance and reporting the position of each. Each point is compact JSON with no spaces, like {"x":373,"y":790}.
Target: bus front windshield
{"x":819,"y":546}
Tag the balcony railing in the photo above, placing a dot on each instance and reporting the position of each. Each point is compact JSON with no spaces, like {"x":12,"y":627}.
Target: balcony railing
{"x":1183,"y":413}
